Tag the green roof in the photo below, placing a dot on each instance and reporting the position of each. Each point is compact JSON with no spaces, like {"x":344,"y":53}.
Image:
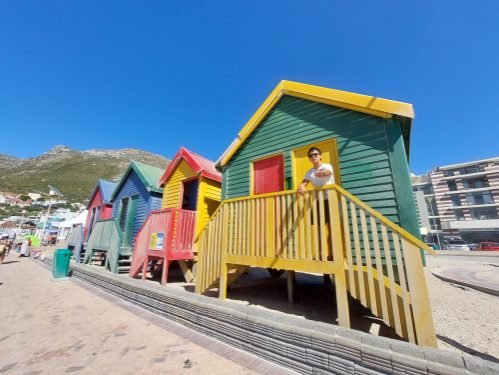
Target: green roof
{"x":148,"y":174}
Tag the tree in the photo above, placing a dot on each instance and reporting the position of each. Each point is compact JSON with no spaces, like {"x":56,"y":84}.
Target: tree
{"x":24,"y":198}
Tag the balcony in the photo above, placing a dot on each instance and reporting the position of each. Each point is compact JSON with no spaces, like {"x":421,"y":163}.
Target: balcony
{"x":474,"y":205}
{"x":471,"y":190}
{"x":475,"y":224}
{"x":466,"y":176}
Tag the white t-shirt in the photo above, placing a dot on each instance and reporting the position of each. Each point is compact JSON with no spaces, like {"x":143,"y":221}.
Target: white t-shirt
{"x":321,"y":180}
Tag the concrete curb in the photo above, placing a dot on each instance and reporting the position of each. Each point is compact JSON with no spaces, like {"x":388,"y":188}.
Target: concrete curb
{"x":306,"y":347}
{"x":466,"y":277}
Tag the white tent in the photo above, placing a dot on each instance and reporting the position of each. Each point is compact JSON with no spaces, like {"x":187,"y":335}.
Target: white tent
{"x":65,"y":226}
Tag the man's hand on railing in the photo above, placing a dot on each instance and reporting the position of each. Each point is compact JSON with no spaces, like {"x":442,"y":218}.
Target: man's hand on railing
{"x":302,"y":188}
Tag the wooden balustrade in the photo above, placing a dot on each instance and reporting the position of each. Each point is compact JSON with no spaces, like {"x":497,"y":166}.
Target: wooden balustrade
{"x":328,"y":231}
{"x":168,"y":235}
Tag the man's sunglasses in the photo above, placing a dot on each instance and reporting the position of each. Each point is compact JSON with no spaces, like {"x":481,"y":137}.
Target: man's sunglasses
{"x":314,"y":155}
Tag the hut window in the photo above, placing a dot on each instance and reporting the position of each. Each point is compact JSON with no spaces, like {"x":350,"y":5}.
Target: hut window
{"x":268,"y":175}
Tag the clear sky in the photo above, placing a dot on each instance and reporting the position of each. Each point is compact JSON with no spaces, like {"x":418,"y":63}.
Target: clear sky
{"x":156,"y":75}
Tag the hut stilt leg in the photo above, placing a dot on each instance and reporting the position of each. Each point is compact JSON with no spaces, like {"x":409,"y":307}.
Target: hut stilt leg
{"x":291,"y":286}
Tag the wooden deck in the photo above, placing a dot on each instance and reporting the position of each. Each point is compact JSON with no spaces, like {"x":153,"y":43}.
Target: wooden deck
{"x":371,"y":258}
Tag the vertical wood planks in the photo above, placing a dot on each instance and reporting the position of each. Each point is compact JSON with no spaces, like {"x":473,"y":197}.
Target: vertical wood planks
{"x":367,"y":252}
{"x":393,"y":294}
{"x":405,"y":295}
{"x":379,"y":267}
{"x":425,"y":331}
{"x":358,"y":256}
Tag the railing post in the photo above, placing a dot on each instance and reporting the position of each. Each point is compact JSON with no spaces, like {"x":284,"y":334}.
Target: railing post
{"x":223,"y":254}
{"x":339,"y":259}
{"x":420,"y":301}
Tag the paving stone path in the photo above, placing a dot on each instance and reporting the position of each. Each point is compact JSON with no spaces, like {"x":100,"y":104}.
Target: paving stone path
{"x":69,"y":327}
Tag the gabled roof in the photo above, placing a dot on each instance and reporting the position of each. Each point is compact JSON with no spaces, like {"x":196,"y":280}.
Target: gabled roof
{"x":106,"y":188}
{"x":361,"y":103}
{"x":148,"y":175}
{"x":198,"y":164}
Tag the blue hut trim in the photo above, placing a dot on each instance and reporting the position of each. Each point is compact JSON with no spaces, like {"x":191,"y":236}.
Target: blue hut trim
{"x":137,"y":183}
{"x":106,"y":188}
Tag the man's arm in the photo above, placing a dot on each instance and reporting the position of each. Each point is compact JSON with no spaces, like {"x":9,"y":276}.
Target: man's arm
{"x":303,"y":186}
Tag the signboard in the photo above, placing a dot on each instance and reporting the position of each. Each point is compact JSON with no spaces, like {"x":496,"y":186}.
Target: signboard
{"x":157,"y":241}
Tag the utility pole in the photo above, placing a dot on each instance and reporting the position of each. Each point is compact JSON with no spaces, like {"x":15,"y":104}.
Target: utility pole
{"x":52,"y":192}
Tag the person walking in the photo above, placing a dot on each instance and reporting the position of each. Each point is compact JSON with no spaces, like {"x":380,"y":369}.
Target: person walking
{"x":25,"y":249}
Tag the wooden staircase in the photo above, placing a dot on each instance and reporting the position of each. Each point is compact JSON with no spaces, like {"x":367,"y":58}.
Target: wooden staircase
{"x":107,"y":238}
{"x":372,"y":259}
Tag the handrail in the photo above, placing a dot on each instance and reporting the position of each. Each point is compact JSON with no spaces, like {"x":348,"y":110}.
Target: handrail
{"x":411,"y":238}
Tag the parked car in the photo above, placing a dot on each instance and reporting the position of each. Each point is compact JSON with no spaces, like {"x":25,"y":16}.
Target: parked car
{"x":456,"y":245}
{"x":488,"y":246}
{"x":471,"y":245}
{"x":433,"y":245}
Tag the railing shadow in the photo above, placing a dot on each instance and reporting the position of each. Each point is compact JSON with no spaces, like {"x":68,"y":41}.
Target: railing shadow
{"x":314,"y":300}
{"x":467,"y":349}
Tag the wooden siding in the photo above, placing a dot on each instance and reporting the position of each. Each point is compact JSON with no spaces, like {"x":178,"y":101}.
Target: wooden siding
{"x":133,"y":186}
{"x":363,"y":148}
{"x":208,"y":200}
{"x":173,"y":187}
{"x":107,"y":212}
{"x":96,"y":202}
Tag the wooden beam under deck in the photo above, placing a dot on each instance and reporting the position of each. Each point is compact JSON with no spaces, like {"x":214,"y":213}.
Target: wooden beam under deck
{"x":314,"y":266}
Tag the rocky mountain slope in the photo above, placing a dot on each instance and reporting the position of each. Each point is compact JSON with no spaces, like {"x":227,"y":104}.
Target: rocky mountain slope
{"x":71,"y":171}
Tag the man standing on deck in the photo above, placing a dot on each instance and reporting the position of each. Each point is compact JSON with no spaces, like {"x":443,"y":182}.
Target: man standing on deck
{"x":320,"y":175}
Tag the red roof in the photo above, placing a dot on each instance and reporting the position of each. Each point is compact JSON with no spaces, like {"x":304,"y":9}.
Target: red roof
{"x":199,"y":164}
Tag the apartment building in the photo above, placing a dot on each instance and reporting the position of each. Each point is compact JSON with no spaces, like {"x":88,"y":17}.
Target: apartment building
{"x":459,"y":199}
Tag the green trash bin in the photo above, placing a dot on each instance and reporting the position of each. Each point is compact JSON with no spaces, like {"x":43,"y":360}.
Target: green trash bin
{"x":60,"y":265}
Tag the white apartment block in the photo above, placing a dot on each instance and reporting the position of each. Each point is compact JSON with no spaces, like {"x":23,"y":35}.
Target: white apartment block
{"x":460,"y":199}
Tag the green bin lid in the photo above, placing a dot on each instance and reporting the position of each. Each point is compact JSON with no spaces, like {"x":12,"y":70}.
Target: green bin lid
{"x":63,"y":251}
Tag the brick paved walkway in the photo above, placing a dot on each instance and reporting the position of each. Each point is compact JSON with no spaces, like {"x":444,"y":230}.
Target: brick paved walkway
{"x":69,"y":327}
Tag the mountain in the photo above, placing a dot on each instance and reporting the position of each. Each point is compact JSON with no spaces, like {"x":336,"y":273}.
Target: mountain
{"x":72,"y":172}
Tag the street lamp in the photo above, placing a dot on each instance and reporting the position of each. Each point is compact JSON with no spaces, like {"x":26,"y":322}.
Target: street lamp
{"x":21,"y":222}
{"x":52,"y":191}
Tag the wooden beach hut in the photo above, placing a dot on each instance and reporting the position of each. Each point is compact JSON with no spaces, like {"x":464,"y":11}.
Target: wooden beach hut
{"x":134,"y":197}
{"x":370,"y":244}
{"x":99,"y":207}
{"x":192,"y":192}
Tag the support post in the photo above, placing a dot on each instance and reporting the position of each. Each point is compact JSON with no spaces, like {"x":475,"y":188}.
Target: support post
{"x":291,"y":278}
{"x":339,"y":260}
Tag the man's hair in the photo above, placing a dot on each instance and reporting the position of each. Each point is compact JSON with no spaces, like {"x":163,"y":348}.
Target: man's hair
{"x":314,"y":149}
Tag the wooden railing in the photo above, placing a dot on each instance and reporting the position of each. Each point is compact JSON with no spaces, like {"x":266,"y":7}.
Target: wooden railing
{"x":106,"y":236}
{"x":380,"y":262}
{"x":169,"y":233}
{"x":75,"y":240}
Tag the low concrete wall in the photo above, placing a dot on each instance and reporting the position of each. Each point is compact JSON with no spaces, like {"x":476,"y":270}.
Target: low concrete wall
{"x":306,"y":347}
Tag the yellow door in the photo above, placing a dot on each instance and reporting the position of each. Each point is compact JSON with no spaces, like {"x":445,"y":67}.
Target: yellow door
{"x":301,"y":163}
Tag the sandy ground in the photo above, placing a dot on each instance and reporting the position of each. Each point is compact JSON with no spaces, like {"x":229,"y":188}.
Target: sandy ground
{"x":466,"y":320}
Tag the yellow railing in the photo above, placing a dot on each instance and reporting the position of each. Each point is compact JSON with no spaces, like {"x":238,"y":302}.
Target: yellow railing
{"x":326,"y":231}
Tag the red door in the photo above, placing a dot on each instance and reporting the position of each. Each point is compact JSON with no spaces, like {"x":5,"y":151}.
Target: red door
{"x":268,"y":175}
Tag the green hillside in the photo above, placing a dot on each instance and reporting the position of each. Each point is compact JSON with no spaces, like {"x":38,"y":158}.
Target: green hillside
{"x":73,"y":172}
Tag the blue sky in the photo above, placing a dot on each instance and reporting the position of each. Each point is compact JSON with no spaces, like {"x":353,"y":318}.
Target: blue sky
{"x":156,"y":75}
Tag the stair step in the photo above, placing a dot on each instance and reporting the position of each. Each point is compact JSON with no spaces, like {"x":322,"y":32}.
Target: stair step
{"x":124,"y":261}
